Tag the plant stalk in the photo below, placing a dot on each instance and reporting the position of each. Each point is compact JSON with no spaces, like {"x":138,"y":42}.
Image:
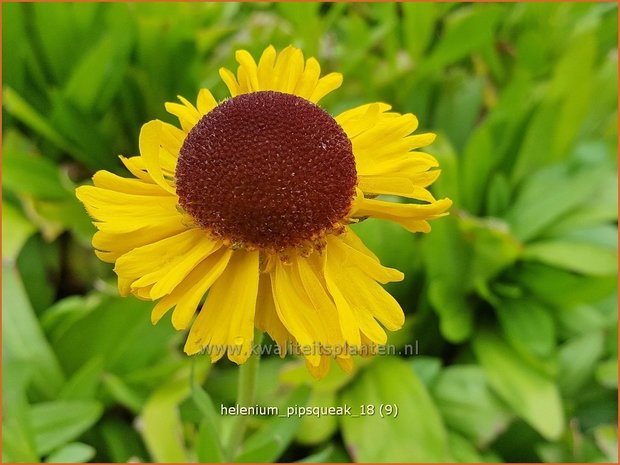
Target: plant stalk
{"x":246,"y":396}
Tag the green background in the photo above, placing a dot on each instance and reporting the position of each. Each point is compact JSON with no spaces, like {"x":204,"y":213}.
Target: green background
{"x":512,"y":299}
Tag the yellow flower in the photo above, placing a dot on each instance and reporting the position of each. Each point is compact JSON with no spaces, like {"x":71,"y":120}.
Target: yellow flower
{"x":252,"y":201}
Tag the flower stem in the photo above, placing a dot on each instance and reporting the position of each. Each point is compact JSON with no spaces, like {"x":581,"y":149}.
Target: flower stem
{"x":246,"y":393}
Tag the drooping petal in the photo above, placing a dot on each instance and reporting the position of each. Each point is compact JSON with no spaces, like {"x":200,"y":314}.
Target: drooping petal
{"x":110,"y":245}
{"x":364,"y":296}
{"x":346,"y":315}
{"x":226,"y":321}
{"x":267,"y":319}
{"x":296,"y":312}
{"x":165,"y":263}
{"x":187,"y":295}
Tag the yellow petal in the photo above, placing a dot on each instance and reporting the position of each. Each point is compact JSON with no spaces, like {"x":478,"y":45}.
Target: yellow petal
{"x":360,"y":119}
{"x":308,"y":279}
{"x":321,"y":369}
{"x":388,"y":130}
{"x":348,"y":322}
{"x":229,"y":79}
{"x":362,"y":293}
{"x":135,"y":165}
{"x":165,"y":280}
{"x":411,"y":216}
{"x":108,"y":205}
{"x":188,"y":117}
{"x":386,"y":185}
{"x":265,"y":68}
{"x":400,"y":163}
{"x":326,"y":85}
{"x":248,"y":66}
{"x":150,"y":147}
{"x":172,"y":139}
{"x":117,"y":244}
{"x":346,"y":364}
{"x":147,"y":264}
{"x":308,"y":80}
{"x":206,"y":101}
{"x":192,"y":109}
{"x":350,"y":257}
{"x":295,"y":311}
{"x":226,"y":320}
{"x":187,"y":295}
{"x":107,"y":180}
{"x":267,"y":316}
{"x":281,"y":69}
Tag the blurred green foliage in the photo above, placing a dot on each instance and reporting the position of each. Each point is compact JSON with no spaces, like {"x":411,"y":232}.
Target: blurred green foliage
{"x":512,"y":299}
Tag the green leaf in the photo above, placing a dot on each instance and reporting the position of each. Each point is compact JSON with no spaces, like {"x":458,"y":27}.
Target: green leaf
{"x":322,"y":456}
{"x":122,"y":442}
{"x":467,"y":405}
{"x":102,"y":67}
{"x":462,"y":450}
{"x":528,"y":326}
{"x":268,"y":443}
{"x":20,"y":109}
{"x":22,"y":337}
{"x":591,"y":214}
{"x":315,"y":430}
{"x":538,"y":207}
{"x":75,"y":452}
{"x":393,"y":438}
{"x":580,"y":257}
{"x":55,"y":47}
{"x":427,"y":369}
{"x":79,"y":127}
{"x":607,"y":373}
{"x":456,"y":112}
{"x":162,"y":429}
{"x":122,"y":393}
{"x":419,"y":21}
{"x":208,"y":446}
{"x":606,"y":437}
{"x":499,"y":195}
{"x":455,"y":314}
{"x":578,"y":358}
{"x":117,"y":329}
{"x":33,"y":175}
{"x":17,"y":230}
{"x":466,"y":30}
{"x":84,"y":382}
{"x":39,"y":266}
{"x":493,"y":248}
{"x":560,"y":287}
{"x":17,"y":436}
{"x":296,"y":373}
{"x":531,"y":395}
{"x":58,"y":422}
{"x":557,"y":122}
{"x":476,"y":168}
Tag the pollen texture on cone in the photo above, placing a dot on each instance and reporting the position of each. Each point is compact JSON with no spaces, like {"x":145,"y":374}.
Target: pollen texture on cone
{"x":266,"y":169}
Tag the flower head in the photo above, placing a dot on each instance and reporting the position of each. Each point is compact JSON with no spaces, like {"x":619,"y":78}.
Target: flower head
{"x":250,"y":203}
